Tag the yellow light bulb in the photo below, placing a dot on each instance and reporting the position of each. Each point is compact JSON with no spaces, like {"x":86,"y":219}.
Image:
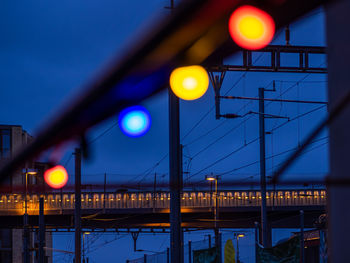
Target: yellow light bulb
{"x":189,"y":83}
{"x":251,"y":27}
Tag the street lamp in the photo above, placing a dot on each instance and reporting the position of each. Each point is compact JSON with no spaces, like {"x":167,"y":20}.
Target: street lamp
{"x":211,"y":178}
{"x":27,"y":172}
{"x":85,"y":233}
{"x":25,"y":218}
{"x":238,"y":236}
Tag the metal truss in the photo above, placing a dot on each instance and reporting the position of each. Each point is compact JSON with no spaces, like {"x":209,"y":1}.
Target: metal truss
{"x":276,"y":63}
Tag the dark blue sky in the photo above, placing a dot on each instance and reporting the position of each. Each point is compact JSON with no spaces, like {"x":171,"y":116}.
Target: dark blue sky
{"x":49,"y":49}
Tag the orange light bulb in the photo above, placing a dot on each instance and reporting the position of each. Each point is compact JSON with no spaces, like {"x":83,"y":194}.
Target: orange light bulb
{"x":56,"y":177}
{"x":251,"y":28}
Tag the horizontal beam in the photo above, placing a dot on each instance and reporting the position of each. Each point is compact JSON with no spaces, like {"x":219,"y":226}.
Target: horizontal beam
{"x":274,"y":100}
{"x":228,"y":218}
{"x":275,"y":62}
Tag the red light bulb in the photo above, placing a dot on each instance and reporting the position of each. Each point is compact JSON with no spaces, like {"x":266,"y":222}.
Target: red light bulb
{"x":251,"y":28}
{"x":56,"y":177}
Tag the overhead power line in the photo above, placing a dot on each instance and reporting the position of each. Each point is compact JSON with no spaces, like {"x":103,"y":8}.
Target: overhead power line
{"x":224,"y":157}
{"x":274,"y":100}
{"x":274,"y":155}
{"x":93,"y":140}
{"x":218,"y":139}
{"x":103,"y":133}
{"x":213,"y":107}
{"x":252,"y":141}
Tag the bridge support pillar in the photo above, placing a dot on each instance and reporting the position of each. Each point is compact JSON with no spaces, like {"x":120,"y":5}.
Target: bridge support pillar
{"x":218,"y":244}
{"x":77,"y":212}
{"x":41,"y":231}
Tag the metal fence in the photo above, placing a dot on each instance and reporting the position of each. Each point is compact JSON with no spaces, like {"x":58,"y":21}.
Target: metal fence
{"x":164,"y":256}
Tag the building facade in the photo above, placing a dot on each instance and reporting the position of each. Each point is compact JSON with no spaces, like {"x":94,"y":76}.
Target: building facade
{"x":12,"y":138}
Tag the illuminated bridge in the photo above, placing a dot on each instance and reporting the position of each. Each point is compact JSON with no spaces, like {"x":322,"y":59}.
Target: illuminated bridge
{"x":151,"y":210}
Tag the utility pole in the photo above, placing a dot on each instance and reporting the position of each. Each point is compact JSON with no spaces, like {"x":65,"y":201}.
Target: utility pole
{"x":256,"y":227}
{"x":176,"y":248}
{"x":77,"y":211}
{"x":154,"y":192}
{"x":302,"y":250}
{"x":26,"y":255}
{"x":216,"y":217}
{"x":237,"y":254}
{"x":104,"y":193}
{"x":265,"y":233}
{"x":41,"y":231}
{"x":175,"y":177}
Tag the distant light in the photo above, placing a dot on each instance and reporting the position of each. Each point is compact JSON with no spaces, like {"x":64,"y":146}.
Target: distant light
{"x":134,"y":121}
{"x":189,"y":83}
{"x":251,"y":27}
{"x":56,"y":177}
{"x":210,"y":178}
{"x":30,"y":171}
{"x":240,"y":235}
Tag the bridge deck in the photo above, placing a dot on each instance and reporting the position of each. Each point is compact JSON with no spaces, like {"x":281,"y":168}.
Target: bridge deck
{"x":146,"y":209}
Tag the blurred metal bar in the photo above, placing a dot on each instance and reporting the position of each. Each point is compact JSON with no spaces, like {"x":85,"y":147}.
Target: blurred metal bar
{"x":338,"y":41}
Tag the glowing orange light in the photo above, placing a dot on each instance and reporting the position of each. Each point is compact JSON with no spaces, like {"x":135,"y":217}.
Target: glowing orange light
{"x":251,"y":28}
{"x":56,"y":177}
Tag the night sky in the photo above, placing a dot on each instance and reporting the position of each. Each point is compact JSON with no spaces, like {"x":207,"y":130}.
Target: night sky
{"x":49,"y":49}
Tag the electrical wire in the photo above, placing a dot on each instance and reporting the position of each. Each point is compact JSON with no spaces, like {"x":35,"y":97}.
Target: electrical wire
{"x":213,"y":107}
{"x":270,"y":157}
{"x":231,"y":130}
{"x":103,"y":133}
{"x":297,"y":117}
{"x":225,"y":157}
{"x":218,"y":139}
{"x":252,"y":141}
{"x":207,"y":133}
{"x":150,"y":170}
{"x":92,"y":141}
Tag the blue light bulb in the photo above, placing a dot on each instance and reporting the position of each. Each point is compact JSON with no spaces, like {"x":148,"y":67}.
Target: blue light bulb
{"x":134,"y":121}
